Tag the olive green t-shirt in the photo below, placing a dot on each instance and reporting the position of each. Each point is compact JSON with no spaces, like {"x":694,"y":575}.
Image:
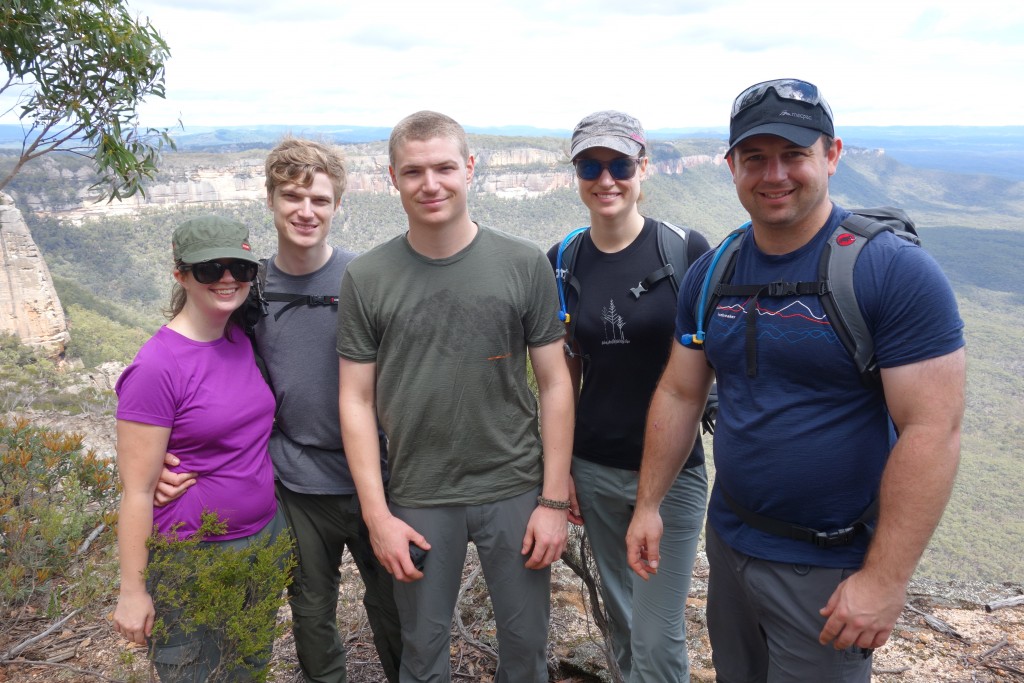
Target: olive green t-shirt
{"x":449,"y":337}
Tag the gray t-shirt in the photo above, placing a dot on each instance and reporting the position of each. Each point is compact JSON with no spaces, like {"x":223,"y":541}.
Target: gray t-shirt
{"x":298,"y":348}
{"x":449,"y":337}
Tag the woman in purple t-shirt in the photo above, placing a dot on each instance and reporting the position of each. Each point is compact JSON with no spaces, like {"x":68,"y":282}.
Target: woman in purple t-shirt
{"x":194,"y":390}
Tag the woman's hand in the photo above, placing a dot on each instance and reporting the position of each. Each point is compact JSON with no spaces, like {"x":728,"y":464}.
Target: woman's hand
{"x":134,"y":615}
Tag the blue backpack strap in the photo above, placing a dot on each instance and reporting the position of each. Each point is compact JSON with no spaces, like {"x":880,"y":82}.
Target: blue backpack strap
{"x":565,"y":260}
{"x":721,"y":263}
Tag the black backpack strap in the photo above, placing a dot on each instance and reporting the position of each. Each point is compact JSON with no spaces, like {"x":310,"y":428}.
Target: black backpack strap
{"x":300,"y":300}
{"x":256,"y":307}
{"x":821,"y":539}
{"x":836,"y":267}
{"x":672,"y":250}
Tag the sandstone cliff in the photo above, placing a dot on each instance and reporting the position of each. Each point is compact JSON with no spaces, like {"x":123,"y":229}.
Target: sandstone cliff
{"x":29,"y":307}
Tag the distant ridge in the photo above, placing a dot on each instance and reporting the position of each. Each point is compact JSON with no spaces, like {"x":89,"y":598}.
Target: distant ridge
{"x":991,"y":150}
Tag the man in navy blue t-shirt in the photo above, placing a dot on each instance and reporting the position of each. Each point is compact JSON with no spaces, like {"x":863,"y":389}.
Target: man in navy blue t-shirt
{"x":801,"y":441}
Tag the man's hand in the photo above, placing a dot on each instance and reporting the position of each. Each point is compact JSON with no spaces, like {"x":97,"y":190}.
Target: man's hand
{"x":575,"y":516}
{"x":172,"y":484}
{"x":546,"y":536}
{"x":862,"y":611}
{"x":390,"y":538}
{"x":643,"y":539}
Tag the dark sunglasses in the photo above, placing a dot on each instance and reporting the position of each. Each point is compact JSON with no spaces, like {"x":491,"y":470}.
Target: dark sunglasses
{"x":208,"y":272}
{"x":786,"y":89}
{"x":622,"y":168}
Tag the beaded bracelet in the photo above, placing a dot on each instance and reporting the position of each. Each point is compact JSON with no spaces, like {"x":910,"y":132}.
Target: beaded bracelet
{"x":553,"y":504}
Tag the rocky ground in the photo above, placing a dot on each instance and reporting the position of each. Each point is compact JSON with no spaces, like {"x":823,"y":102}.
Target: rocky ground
{"x":944,"y":634}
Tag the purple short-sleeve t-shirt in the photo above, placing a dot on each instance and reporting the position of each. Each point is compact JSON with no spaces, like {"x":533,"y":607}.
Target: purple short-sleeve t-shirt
{"x":220,"y":412}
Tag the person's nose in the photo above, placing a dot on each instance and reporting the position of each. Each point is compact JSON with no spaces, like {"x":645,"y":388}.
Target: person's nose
{"x":606,"y":179}
{"x":430,"y":182}
{"x":775,"y":169}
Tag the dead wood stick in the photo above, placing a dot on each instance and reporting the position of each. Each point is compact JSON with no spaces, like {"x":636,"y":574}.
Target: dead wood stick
{"x":935,"y":623}
{"x":892,"y":670}
{"x":995,"y":648}
{"x":75,"y":669}
{"x":463,"y":631}
{"x":1000,"y":604}
{"x":28,"y":642}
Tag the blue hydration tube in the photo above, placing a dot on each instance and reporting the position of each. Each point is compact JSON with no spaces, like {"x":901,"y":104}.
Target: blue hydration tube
{"x":563,"y":314}
{"x":698,"y":336}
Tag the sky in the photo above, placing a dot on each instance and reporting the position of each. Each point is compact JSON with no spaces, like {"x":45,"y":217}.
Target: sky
{"x":545,"y":63}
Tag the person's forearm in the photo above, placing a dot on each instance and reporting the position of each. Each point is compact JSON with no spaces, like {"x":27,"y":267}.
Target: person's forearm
{"x":671,"y":431}
{"x":557,"y":422}
{"x":134,"y":525}
{"x":916,"y":486}
{"x":362,"y":448}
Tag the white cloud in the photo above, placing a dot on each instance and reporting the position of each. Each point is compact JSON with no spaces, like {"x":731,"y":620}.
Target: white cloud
{"x":672,"y":63}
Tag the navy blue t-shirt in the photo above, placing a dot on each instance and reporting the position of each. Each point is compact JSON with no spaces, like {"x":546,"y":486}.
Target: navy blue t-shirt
{"x":805,"y":441}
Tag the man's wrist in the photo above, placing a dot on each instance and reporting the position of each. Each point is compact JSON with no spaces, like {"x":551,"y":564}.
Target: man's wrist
{"x":552,"y":504}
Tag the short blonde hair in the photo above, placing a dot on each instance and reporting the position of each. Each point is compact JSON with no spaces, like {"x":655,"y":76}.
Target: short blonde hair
{"x":427,"y":125}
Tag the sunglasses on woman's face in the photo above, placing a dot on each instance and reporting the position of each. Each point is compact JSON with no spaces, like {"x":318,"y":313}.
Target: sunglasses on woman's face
{"x":622,"y":168}
{"x":208,"y":272}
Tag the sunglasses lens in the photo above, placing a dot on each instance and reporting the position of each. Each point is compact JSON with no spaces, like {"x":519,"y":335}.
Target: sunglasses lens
{"x":622,"y":168}
{"x":243,"y":271}
{"x":207,"y":272}
{"x":588,"y":169}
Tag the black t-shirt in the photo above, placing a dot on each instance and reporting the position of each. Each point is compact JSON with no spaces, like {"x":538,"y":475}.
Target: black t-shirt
{"x":625,"y":342}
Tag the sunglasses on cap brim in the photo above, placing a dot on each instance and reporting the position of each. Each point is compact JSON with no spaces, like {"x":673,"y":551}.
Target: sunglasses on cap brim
{"x":786,"y":89}
{"x":208,"y":272}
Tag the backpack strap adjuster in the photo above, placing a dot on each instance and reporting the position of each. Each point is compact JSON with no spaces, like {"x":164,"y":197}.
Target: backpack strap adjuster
{"x":834,"y":539}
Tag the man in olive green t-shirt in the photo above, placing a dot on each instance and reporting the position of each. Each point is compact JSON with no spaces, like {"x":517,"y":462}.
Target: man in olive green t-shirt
{"x":434,"y":340}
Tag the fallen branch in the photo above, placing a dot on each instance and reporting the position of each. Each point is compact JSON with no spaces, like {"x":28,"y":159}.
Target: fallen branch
{"x":67,"y":667}
{"x":92,"y":537}
{"x":1003,"y":667}
{"x":936,"y":624}
{"x":463,"y":631}
{"x":995,"y":648}
{"x":29,"y":642}
{"x":1000,"y":604}
{"x":893,"y":670}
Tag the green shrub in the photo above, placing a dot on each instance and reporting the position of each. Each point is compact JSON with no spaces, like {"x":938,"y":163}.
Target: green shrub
{"x":233,"y":593}
{"x":55,"y":503}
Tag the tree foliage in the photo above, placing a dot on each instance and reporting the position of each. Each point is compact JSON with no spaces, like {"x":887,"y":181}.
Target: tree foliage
{"x":79,"y":69}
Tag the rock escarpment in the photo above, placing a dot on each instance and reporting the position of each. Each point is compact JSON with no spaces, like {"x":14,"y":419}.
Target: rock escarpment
{"x":29,"y":307}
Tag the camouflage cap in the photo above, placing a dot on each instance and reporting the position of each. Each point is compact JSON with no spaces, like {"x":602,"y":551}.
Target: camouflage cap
{"x":611,"y":129}
{"x":211,"y":237}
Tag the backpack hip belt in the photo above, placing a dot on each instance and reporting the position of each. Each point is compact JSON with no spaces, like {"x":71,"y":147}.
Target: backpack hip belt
{"x":821,"y":539}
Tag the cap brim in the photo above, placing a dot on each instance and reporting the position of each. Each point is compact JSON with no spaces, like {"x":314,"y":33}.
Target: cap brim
{"x":798,"y":135}
{"x":220,"y":252}
{"x":615,"y":142}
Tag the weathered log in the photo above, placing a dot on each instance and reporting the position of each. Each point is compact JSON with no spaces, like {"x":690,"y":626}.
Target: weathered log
{"x":1000,"y":604}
